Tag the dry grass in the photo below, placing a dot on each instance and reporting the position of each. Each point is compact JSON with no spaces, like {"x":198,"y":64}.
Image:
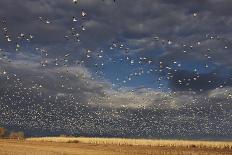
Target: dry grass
{"x":138,"y":142}
{"x":62,"y":146}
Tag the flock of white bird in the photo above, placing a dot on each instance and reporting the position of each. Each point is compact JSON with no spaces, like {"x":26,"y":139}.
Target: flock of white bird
{"x":58,"y":111}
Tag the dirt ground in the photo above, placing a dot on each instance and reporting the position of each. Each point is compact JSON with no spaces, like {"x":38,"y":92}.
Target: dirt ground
{"x":15,"y":147}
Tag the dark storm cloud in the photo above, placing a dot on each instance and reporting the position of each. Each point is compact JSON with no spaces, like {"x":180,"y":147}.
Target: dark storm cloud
{"x":108,"y":22}
{"x":185,"y":80}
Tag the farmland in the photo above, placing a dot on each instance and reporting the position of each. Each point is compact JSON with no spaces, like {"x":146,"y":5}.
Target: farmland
{"x":110,"y":146}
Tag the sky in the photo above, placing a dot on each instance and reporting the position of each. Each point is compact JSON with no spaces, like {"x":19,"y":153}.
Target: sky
{"x":135,"y":68}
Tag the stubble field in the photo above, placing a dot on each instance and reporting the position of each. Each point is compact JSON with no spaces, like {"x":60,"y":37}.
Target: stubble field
{"x":109,"y":146}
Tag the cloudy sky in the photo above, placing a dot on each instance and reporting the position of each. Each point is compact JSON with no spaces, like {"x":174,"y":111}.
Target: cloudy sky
{"x":135,"y":68}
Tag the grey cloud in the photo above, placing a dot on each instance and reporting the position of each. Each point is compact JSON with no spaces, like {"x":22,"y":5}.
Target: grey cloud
{"x":108,"y":22}
{"x":184,"y":80}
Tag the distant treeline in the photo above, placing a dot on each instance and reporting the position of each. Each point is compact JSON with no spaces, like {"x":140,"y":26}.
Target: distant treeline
{"x":4,"y":133}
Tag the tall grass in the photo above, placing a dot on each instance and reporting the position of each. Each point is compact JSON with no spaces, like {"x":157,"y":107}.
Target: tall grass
{"x":138,"y":142}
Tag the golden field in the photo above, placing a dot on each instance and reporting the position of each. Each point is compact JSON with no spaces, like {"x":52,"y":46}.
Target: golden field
{"x":137,"y":142}
{"x":111,"y":146}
